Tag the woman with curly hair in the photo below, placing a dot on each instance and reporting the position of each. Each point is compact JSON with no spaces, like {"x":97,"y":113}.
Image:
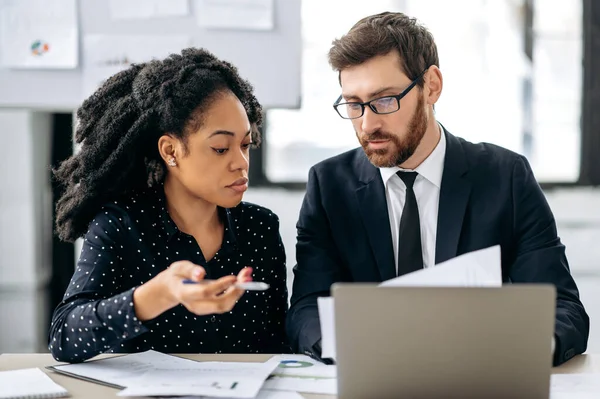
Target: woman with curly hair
{"x":156,"y":192}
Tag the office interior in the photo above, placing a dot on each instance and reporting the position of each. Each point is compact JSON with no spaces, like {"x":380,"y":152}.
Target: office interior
{"x":523,"y":74}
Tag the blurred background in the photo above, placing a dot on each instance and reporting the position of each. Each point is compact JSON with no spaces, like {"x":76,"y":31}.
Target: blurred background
{"x":523,"y":74}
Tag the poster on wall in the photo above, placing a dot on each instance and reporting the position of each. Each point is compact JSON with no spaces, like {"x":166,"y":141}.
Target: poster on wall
{"x":235,"y":14}
{"x":105,"y":55}
{"x":146,"y":9}
{"x":40,"y":34}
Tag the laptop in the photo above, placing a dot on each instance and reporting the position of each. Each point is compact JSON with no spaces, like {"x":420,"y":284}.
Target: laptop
{"x":444,"y":342}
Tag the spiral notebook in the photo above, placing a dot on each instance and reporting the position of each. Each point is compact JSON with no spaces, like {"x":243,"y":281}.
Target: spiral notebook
{"x":29,"y":383}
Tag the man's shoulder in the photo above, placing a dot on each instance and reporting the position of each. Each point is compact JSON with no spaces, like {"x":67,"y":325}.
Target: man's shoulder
{"x":344,"y":162}
{"x":484,"y":155}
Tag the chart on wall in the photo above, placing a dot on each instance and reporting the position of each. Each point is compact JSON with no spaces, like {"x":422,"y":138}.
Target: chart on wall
{"x":38,"y":34}
{"x":55,"y":53}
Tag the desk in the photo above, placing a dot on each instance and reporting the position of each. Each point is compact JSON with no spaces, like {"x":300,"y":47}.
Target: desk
{"x":82,"y":389}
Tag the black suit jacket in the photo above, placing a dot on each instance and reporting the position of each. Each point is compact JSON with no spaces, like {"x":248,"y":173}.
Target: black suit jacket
{"x":488,"y":196}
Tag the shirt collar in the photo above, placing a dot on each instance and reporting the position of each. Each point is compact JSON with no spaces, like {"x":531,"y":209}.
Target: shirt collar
{"x":431,"y":168}
{"x":171,"y":228}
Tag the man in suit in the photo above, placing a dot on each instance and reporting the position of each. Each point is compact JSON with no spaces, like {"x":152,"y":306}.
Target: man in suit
{"x":415,"y":195}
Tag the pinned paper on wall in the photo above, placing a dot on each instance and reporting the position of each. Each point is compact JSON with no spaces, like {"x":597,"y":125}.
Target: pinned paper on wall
{"x":38,"y":34}
{"x":146,"y":9}
{"x":105,"y":55}
{"x":235,"y":14}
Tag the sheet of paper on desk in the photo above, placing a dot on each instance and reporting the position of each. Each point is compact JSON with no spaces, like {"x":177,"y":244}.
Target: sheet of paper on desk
{"x":263,"y":394}
{"x":126,"y":369}
{"x":29,"y":383}
{"x":216,"y":379}
{"x":300,"y":373}
{"x":575,"y":386}
{"x":480,"y":268}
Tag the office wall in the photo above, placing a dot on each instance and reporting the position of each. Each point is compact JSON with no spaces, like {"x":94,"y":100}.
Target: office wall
{"x":270,"y":59}
{"x":25,"y":206}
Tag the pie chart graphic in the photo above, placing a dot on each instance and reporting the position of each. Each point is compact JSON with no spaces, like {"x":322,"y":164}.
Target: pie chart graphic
{"x":39,"y":47}
{"x":294,"y":364}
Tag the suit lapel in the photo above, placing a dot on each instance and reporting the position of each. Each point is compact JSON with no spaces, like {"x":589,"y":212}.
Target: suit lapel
{"x":454,"y":196}
{"x":372,"y":206}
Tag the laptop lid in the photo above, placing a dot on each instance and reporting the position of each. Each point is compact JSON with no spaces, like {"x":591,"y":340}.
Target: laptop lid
{"x":425,"y":342}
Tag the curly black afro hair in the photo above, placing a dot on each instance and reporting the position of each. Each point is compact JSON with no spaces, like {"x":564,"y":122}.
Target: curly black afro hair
{"x":118,"y":128}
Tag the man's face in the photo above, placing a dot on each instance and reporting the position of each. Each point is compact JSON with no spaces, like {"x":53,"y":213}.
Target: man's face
{"x":390,"y":139}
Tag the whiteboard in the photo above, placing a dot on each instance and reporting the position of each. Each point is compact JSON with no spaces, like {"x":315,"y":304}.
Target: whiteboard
{"x":270,"y":60}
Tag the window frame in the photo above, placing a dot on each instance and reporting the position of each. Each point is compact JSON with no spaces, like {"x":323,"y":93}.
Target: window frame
{"x":589,"y":164}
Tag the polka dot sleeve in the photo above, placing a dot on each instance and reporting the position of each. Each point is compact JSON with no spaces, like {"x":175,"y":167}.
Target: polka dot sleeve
{"x":278,"y":303}
{"x":95,"y":314}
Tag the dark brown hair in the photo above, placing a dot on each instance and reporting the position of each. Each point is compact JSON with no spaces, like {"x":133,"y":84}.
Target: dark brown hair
{"x":381,"y":33}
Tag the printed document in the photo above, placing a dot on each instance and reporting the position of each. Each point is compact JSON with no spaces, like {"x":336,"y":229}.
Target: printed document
{"x":480,"y":268}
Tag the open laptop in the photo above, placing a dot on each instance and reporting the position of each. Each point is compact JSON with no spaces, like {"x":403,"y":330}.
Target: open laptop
{"x":434,"y":342}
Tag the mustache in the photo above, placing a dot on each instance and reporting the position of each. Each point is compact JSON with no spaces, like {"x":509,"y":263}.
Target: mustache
{"x":378,"y":135}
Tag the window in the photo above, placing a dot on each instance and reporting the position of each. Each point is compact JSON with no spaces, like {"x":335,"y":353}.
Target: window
{"x":493,"y":91}
{"x":557,"y":89}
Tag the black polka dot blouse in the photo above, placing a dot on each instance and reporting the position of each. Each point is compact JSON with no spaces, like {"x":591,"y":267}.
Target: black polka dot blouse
{"x":128,"y":243}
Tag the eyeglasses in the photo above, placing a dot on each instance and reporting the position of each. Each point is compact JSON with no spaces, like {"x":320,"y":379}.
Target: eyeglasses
{"x":381,"y":105}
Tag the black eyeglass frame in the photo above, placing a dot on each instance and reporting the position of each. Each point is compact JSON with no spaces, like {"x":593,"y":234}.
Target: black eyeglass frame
{"x":398,"y":97}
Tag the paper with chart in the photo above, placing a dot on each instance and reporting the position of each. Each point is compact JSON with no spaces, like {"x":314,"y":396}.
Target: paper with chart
{"x":39,"y":34}
{"x":105,"y":55}
{"x":215,"y":379}
{"x":575,"y":386}
{"x":235,"y":14}
{"x":300,"y":373}
{"x":124,"y":370}
{"x":146,"y":9}
{"x":480,"y":268}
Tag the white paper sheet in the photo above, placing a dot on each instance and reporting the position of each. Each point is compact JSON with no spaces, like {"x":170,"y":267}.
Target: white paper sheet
{"x":300,"y":373}
{"x":105,"y":55}
{"x":327,"y":322}
{"x":480,"y":268}
{"x":126,"y":369}
{"x":217,"y":379}
{"x":575,"y":386}
{"x":29,"y":383}
{"x":146,"y":9}
{"x":235,"y":14}
{"x":475,"y":269}
{"x":38,"y":34}
{"x":263,"y":394}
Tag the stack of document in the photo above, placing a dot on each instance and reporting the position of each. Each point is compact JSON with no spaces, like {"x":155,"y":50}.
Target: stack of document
{"x":475,"y":269}
{"x":153,"y":373}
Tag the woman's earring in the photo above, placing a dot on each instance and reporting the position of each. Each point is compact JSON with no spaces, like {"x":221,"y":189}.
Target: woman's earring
{"x":171,"y":162}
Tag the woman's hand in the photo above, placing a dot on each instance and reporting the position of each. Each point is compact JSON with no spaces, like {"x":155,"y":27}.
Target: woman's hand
{"x":167,"y":290}
{"x":202,"y":298}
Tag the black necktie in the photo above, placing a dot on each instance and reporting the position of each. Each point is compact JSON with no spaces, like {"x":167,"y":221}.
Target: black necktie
{"x":410,"y":255}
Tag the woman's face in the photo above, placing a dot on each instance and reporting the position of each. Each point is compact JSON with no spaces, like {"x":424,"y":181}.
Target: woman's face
{"x":215,"y":166}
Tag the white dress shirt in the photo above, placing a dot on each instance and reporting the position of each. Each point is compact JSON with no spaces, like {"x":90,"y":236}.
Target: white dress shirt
{"x":427,"y":191}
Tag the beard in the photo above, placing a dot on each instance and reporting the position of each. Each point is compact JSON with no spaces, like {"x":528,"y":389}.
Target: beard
{"x":402,"y":149}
